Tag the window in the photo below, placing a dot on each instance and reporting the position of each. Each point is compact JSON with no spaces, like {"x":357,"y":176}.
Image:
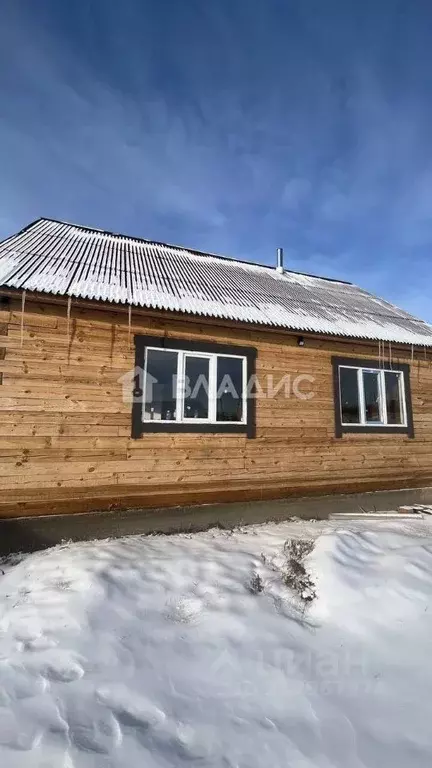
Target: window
{"x":160,"y":398}
{"x":197,"y":384}
{"x":350,"y":399}
{"x":229,"y":382}
{"x":394,"y":397}
{"x":192,"y":387}
{"x":369,"y":398}
{"x":185,"y":386}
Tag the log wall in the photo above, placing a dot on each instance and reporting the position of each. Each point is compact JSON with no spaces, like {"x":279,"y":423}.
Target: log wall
{"x":65,"y":441}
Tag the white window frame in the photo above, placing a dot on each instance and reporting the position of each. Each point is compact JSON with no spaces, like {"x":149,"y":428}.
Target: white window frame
{"x":382,"y":400}
{"x":182,"y":354}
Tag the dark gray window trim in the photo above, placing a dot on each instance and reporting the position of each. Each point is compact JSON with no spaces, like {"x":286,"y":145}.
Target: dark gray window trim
{"x":139,"y":426}
{"x":359,"y":362}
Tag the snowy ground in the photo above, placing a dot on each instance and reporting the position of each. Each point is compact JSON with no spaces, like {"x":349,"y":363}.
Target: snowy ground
{"x":155,"y":652}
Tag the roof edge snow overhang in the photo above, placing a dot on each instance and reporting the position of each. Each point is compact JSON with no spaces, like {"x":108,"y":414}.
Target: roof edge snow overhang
{"x":123,"y":308}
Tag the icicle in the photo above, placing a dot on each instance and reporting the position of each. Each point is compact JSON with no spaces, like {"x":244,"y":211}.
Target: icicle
{"x":379,"y":353}
{"x":390,"y":355}
{"x":23,"y":298}
{"x":68,"y":316}
{"x":129,"y":324}
{"x":425,"y":354}
{"x":412,"y":354}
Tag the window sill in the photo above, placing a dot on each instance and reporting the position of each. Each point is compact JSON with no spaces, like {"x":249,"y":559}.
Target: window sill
{"x":380,"y":429}
{"x":200,"y":428}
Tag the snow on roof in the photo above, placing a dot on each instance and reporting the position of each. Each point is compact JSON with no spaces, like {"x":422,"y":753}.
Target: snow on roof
{"x":65,"y":259}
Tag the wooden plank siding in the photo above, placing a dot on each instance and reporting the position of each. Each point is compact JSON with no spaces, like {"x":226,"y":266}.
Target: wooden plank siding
{"x":65,"y":441}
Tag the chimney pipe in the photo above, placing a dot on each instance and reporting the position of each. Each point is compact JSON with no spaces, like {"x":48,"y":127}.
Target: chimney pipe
{"x":280,"y":260}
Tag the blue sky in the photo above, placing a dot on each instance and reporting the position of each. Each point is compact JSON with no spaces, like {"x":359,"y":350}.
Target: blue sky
{"x":234,"y":126}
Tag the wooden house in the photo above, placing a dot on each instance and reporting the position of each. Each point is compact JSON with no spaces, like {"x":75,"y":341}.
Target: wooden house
{"x":140,"y":374}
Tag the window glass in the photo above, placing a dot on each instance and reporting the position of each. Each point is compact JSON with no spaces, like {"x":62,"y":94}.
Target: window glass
{"x":371,"y":396}
{"x":196,"y":402}
{"x":393,"y":399}
{"x":229,"y":389}
{"x":350,"y":405}
{"x":210,"y":389}
{"x":160,"y":385}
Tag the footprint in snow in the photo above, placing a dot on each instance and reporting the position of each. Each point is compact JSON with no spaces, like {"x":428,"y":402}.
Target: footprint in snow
{"x":91,"y":727}
{"x":186,"y":743}
{"x":130,"y":708}
{"x":61,"y":671}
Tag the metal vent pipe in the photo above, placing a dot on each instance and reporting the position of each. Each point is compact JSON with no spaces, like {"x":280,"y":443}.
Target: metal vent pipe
{"x":280,"y":260}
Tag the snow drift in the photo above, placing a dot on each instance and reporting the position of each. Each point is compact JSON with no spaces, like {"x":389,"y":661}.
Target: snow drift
{"x":163,"y":651}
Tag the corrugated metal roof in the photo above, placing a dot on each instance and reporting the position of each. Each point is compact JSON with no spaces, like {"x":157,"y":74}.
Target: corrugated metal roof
{"x":64,"y":259}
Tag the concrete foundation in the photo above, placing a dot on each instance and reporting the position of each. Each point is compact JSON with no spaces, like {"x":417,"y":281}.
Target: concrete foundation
{"x":26,"y":534}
